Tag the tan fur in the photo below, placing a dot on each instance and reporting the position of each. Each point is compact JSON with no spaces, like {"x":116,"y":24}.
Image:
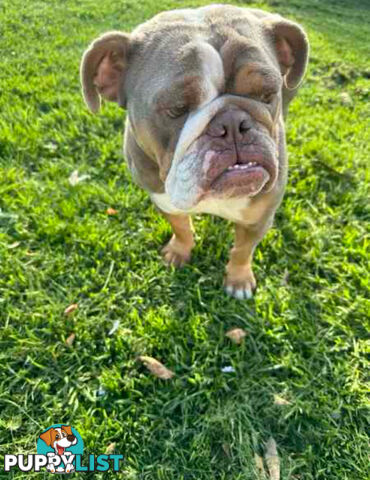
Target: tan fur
{"x":178,"y":250}
{"x":49,"y":436}
{"x":67,"y":429}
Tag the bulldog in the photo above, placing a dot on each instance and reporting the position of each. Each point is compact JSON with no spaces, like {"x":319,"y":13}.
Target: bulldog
{"x":206,"y":92}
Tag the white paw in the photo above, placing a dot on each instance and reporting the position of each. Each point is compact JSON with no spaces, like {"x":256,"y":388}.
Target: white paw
{"x":241,"y":293}
{"x":240,"y":283}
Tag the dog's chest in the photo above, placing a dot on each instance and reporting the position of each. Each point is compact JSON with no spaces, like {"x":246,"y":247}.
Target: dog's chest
{"x":233,"y":209}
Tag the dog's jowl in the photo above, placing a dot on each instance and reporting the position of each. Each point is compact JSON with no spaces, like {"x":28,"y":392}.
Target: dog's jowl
{"x":206,"y":92}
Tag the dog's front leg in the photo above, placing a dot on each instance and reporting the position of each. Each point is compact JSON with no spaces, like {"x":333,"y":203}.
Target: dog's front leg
{"x":178,"y":249}
{"x":240,"y":281}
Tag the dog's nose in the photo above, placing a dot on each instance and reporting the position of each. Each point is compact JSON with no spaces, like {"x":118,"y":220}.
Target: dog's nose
{"x":71,"y":438}
{"x":230,"y":125}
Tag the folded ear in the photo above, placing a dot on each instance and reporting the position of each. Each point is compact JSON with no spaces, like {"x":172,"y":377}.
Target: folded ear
{"x":46,"y":436}
{"x":67,"y":429}
{"x":103,"y":68}
{"x":291,"y":44}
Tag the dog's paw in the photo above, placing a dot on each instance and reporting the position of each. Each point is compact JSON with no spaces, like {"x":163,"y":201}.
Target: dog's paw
{"x":241,"y":285}
{"x":176,"y":254}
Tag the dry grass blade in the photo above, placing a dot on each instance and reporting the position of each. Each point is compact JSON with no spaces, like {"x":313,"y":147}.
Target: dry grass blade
{"x":70,"y":309}
{"x":14,"y":245}
{"x":110,"y":448}
{"x":236,"y":335}
{"x":278,"y":400}
{"x":156,"y":368}
{"x":70,"y":340}
{"x":272,"y":459}
{"x":226,"y":449}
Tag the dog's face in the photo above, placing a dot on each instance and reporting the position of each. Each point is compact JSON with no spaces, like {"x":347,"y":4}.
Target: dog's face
{"x":203,"y":90}
{"x":59,"y":438}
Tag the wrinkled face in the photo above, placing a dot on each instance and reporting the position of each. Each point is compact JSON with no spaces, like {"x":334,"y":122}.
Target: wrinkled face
{"x":212,"y":123}
{"x":203,"y":93}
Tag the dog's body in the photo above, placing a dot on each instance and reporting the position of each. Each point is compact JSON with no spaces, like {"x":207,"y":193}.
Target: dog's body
{"x":206,"y":91}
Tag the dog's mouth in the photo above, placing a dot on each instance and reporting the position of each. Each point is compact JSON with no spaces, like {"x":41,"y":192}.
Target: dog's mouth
{"x":252,"y":172}
{"x":60,"y":450}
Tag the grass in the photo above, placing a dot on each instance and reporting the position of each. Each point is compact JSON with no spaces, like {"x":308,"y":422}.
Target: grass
{"x":307,"y":326}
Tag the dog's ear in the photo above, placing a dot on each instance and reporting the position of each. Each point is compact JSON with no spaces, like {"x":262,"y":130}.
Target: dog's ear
{"x":47,"y":436}
{"x":103,"y":69}
{"x":291,"y":45}
{"x":67,"y":429}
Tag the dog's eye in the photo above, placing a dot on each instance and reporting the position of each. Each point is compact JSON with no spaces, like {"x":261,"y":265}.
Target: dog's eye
{"x":57,"y":437}
{"x":177,"y":111}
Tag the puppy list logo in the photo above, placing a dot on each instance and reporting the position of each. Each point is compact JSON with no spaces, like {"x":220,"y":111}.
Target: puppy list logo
{"x":60,"y":444}
{"x":59,"y":450}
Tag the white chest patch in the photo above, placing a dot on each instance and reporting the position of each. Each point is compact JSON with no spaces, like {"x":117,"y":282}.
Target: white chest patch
{"x":230,"y":209}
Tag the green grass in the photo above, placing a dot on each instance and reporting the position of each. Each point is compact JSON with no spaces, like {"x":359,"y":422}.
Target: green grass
{"x":306,"y":336}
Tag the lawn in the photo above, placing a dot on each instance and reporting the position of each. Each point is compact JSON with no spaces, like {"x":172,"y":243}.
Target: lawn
{"x":299,"y":375}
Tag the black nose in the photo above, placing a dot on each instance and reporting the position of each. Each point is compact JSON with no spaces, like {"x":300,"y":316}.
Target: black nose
{"x":71,"y":438}
{"x":230,"y":124}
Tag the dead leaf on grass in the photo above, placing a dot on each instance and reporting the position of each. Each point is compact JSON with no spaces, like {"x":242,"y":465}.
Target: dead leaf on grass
{"x":110,"y":449}
{"x":236,"y":335}
{"x":156,"y":368}
{"x":70,"y":340}
{"x":71,"y":308}
{"x":111,"y":211}
{"x":278,"y":400}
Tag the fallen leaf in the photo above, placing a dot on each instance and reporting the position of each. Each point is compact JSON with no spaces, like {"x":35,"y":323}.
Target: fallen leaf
{"x":111,"y":211}
{"x":110,"y":449}
{"x":75,"y":178}
{"x":156,"y":368}
{"x":259,"y":465}
{"x":272,"y":459}
{"x":278,"y":400}
{"x":236,"y":335}
{"x":71,"y":309}
{"x":70,"y":340}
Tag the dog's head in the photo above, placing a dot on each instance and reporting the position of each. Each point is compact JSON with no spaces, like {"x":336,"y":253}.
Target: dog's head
{"x":204,"y":90}
{"x":59,"y":438}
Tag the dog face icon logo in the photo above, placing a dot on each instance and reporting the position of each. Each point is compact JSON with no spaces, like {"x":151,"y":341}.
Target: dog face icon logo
{"x":61,"y":444}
